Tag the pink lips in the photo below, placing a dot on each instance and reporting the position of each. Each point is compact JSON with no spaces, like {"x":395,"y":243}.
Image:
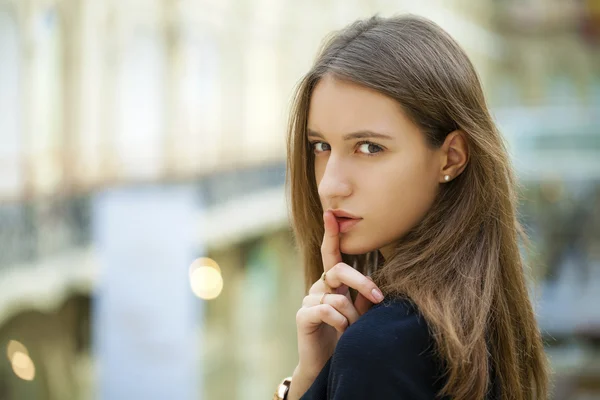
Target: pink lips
{"x":345,"y":220}
{"x":346,"y":224}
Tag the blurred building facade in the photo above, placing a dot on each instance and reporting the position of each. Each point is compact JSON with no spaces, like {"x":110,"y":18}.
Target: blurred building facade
{"x":547,"y":100}
{"x":96,"y":95}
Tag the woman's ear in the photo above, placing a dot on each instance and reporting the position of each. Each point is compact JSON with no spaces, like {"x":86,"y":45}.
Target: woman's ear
{"x":454,"y":155}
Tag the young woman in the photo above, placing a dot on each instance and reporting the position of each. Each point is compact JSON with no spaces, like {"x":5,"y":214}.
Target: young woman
{"x":404,"y":208}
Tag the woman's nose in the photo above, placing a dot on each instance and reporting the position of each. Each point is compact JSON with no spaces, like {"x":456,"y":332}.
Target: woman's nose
{"x":334,"y":182}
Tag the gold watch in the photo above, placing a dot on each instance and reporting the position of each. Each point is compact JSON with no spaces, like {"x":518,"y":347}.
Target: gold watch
{"x":283,"y":388}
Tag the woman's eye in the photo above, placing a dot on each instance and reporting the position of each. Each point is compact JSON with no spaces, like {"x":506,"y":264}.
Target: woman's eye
{"x":369,"y":148}
{"x":320,"y":147}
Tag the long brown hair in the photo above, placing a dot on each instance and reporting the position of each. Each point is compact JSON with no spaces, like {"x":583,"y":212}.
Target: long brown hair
{"x":461,"y":265}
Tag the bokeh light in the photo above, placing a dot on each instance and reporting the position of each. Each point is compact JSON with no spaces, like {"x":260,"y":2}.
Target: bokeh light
{"x":205,"y":278}
{"x":21,"y":363}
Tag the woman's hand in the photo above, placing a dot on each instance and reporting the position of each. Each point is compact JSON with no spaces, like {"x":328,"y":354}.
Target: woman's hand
{"x":320,"y":325}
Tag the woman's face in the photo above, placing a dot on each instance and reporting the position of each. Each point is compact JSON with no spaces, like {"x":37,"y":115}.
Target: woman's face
{"x":370,"y":161}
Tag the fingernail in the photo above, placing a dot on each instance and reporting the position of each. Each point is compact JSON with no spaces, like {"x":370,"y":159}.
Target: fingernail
{"x":377,"y":294}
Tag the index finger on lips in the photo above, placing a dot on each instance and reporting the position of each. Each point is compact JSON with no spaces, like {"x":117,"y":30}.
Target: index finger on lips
{"x":343,"y":274}
{"x":330,"y":248}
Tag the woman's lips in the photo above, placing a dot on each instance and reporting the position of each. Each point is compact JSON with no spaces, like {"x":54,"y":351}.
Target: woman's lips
{"x":346,"y":224}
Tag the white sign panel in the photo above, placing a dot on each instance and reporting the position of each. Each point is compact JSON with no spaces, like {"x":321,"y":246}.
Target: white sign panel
{"x":145,"y":315}
{"x":11,"y":152}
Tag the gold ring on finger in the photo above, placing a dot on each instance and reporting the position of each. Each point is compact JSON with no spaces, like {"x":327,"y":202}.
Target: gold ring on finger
{"x":323,"y":278}
{"x":323,"y":297}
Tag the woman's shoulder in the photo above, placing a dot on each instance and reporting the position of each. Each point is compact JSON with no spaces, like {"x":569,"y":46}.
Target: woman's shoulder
{"x":389,"y":348}
{"x":395,"y":317}
{"x":397,"y":307}
{"x":390,"y":328}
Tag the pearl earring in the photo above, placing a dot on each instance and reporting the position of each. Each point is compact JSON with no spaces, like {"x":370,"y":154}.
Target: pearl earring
{"x":447,"y":178}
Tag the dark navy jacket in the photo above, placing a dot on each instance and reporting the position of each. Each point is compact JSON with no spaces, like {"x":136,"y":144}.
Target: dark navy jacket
{"x":387,"y":354}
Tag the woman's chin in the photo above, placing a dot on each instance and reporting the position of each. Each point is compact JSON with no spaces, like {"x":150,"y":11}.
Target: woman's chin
{"x":354,"y":246}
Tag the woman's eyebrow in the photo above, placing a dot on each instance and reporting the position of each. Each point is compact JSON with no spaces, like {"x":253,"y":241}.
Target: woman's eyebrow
{"x":365,"y":134}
